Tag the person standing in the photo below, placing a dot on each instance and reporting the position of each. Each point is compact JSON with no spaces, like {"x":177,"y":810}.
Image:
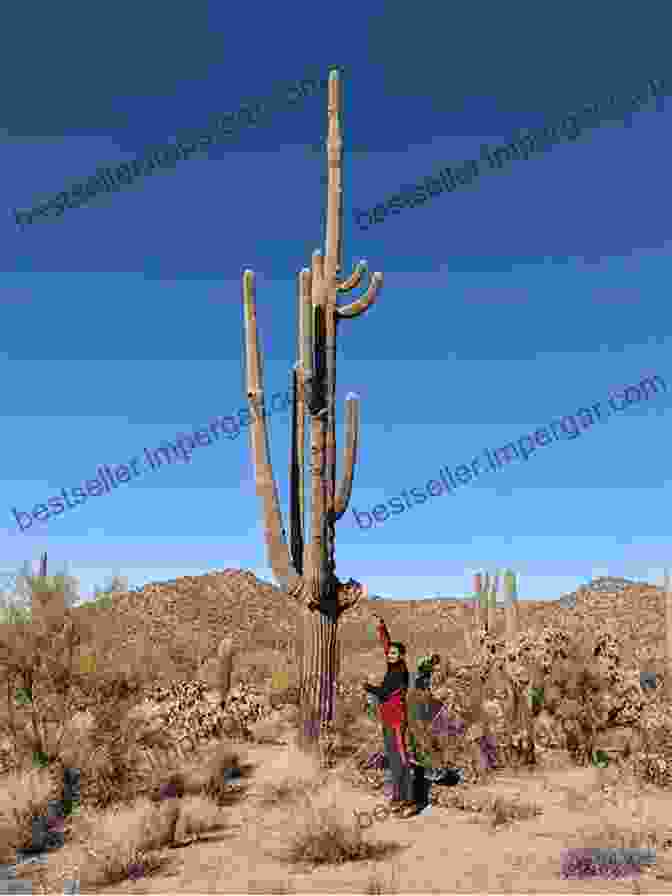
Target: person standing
{"x":393,"y":714}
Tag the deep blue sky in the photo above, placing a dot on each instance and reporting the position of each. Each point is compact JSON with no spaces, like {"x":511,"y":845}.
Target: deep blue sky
{"x":507,"y":304}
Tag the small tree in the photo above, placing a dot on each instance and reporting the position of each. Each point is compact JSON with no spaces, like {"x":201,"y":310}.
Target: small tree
{"x":36,"y":659}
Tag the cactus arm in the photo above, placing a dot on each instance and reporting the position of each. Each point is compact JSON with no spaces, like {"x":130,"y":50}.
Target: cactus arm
{"x":296,"y":474}
{"x":277,"y":550}
{"x":306,"y":324}
{"x":360,"y":305}
{"x":350,"y":455}
{"x":354,"y":279}
{"x":301,"y":383}
{"x":306,"y":339}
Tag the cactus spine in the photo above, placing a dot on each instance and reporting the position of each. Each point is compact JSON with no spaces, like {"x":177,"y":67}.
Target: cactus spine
{"x":306,"y":569}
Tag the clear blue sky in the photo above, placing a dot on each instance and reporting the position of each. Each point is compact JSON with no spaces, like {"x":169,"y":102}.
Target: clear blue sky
{"x":537,"y":290}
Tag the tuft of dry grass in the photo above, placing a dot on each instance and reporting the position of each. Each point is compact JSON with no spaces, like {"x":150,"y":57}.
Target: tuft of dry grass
{"x":289,"y":789}
{"x":127,"y":842}
{"x":198,"y":816}
{"x":498,"y":811}
{"x":638,"y":835}
{"x":323,"y":839}
{"x":203,"y":775}
{"x":25,"y":794}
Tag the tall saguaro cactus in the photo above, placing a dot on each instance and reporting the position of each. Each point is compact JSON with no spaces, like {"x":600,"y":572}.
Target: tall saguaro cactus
{"x":306,"y":569}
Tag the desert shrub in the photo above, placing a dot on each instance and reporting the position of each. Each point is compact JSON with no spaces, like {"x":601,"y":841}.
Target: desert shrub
{"x":289,"y":789}
{"x":579,"y":681}
{"x":24,"y":796}
{"x":322,"y":839}
{"x":496,"y":810}
{"x":580,"y":864}
{"x":123,"y":844}
{"x":210,"y":777}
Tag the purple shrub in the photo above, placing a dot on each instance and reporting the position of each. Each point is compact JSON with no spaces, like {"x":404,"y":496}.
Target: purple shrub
{"x":488,"y":746}
{"x":579,"y":864}
{"x":375,"y":760}
{"x":167,"y":791}
{"x":135,"y":871}
{"x":443,"y":726}
{"x":576,"y":864}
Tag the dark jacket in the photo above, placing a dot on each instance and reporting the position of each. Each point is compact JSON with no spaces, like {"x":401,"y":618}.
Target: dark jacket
{"x":396,"y":677}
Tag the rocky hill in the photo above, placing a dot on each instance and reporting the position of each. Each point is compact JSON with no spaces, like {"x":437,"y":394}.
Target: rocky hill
{"x":192,"y":613}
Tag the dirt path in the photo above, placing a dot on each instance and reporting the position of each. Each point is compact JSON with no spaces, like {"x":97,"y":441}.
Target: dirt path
{"x":440,"y":851}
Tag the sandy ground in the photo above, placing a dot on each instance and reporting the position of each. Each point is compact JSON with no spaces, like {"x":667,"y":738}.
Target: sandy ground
{"x":440,"y":851}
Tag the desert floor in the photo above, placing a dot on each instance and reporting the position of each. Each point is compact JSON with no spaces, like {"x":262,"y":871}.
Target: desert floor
{"x":441,"y":851}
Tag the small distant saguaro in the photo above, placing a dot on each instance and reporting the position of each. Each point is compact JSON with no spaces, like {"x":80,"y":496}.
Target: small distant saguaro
{"x":485,"y":601}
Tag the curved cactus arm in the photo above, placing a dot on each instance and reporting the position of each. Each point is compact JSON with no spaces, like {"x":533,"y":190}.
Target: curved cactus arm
{"x":296,"y":458}
{"x":349,"y":594}
{"x":359,"y":306}
{"x":354,"y":279}
{"x":350,"y":455}
{"x":274,"y":533}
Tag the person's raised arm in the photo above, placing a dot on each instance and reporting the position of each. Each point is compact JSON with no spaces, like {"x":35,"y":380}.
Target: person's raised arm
{"x":383,"y":633}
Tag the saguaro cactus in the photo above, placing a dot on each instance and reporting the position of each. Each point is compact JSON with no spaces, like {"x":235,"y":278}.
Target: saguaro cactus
{"x":306,"y":570}
{"x":510,"y":604}
{"x":479,"y":603}
{"x":492,"y":602}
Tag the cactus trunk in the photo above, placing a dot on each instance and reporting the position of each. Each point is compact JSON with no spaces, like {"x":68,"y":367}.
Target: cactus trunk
{"x":306,"y":571}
